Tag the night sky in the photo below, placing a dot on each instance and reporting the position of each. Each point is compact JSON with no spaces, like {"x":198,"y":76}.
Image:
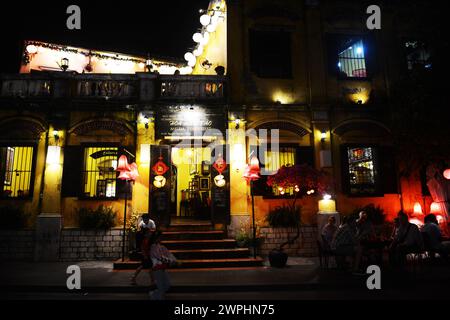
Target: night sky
{"x":161,"y":28}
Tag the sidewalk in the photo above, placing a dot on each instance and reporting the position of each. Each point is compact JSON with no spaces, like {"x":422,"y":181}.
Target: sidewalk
{"x":99,"y":276}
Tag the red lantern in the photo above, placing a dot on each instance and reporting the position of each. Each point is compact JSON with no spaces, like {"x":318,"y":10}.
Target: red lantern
{"x":254,"y":164}
{"x":123,"y":164}
{"x":447,"y":174}
{"x":251,"y":172}
{"x":124,"y":175}
{"x":134,"y":171}
{"x":160,"y":167}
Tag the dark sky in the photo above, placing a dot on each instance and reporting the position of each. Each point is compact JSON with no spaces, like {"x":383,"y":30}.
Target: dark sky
{"x":162,"y":28}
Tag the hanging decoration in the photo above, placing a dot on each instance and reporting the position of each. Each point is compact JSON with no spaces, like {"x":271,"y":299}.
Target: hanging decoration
{"x":160,"y":167}
{"x":159,"y":181}
{"x":219,"y":181}
{"x":220,"y":164}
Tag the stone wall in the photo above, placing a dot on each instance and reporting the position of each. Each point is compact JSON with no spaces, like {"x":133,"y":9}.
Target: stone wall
{"x":79,"y":244}
{"x":17,"y":244}
{"x":305,"y":245}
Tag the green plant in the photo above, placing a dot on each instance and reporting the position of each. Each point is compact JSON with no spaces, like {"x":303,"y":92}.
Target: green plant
{"x":132,"y":223}
{"x":375,"y":214}
{"x":101,"y":218}
{"x":12,"y":218}
{"x":284,"y":217}
{"x":244,"y":235}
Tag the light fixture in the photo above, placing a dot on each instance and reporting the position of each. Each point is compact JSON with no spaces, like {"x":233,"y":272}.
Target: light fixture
{"x":435,"y":208}
{"x":359,"y":102}
{"x":149,"y":64}
{"x":145,"y":121}
{"x":64,"y":64}
{"x":237,"y":123}
{"x":56,"y":134}
{"x":197,"y":37}
{"x":417,"y":209}
{"x":31,"y":49}
{"x":188,"y":56}
{"x":205,"y":19}
{"x":359,"y":50}
{"x":323,"y":136}
{"x":197,"y":52}
{"x":446,"y":174}
{"x":326,"y":197}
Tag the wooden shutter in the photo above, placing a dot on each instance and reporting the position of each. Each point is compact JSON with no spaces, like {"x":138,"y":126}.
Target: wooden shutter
{"x":72,"y":171}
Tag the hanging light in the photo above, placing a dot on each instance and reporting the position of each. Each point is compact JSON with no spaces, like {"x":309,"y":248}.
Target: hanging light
{"x":205,"y":39}
{"x":134,"y":173}
{"x":31,"y":49}
{"x":197,"y":52}
{"x":188,"y":56}
{"x":447,"y":174}
{"x":417,"y":209}
{"x":297,"y":189}
{"x":124,"y":175}
{"x":123,"y":164}
{"x":159,"y":181}
{"x":211,"y":28}
{"x":205,"y":19}
{"x":197,"y":37}
{"x":435,"y":208}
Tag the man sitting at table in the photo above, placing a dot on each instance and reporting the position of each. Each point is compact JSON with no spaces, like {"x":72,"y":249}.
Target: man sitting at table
{"x":434,"y":236}
{"x":345,"y":243}
{"x":407,"y":240}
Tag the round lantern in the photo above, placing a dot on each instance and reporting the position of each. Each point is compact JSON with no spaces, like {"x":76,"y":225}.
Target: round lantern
{"x":32,"y":49}
{"x":219,"y":181}
{"x":435,"y":208}
{"x":159,"y":181}
{"x":417,"y":209}
{"x":205,"y":19}
{"x":188,"y":56}
{"x":447,"y":174}
{"x":197,"y":37}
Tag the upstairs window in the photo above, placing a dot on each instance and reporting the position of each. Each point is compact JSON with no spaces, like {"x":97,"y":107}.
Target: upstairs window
{"x":418,"y":55}
{"x":351,"y":59}
{"x":16,"y":165}
{"x":270,"y":53}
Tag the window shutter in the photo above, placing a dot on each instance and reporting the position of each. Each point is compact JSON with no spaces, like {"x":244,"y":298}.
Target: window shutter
{"x":332,"y":54}
{"x":72,"y":171}
{"x":2,"y":166}
{"x":304,"y":155}
{"x":345,"y":179}
{"x":388,"y":170}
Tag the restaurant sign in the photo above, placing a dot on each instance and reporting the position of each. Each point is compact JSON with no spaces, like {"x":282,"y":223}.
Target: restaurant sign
{"x":189,"y":120}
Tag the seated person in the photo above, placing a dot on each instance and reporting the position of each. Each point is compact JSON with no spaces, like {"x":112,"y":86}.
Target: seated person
{"x":345,"y":242}
{"x":145,"y":223}
{"x":364,"y":228}
{"x":328,"y":232}
{"x":406,"y":240}
{"x":434,"y":237}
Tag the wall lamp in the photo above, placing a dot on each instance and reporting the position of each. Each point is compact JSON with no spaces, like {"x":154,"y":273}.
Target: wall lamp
{"x":64,"y":64}
{"x":56,"y":135}
{"x":145,"y":121}
{"x":323,"y":136}
{"x":237,"y":123}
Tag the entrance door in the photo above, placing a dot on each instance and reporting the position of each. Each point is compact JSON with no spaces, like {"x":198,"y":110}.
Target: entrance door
{"x":160,"y":184}
{"x":191,"y":191}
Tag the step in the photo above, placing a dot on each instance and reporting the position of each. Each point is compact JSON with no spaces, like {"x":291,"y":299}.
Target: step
{"x":199,"y":244}
{"x":193,"y":235}
{"x":212,"y":253}
{"x":199,"y":226}
{"x":221,"y":263}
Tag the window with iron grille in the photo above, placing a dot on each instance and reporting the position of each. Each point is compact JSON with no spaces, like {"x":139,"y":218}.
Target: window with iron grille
{"x":99,"y":174}
{"x":16,"y":171}
{"x":362,"y":171}
{"x":351,"y":59}
{"x":418,"y":55}
{"x":274,"y":160}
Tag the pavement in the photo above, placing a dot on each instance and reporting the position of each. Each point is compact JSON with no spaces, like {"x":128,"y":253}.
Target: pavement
{"x":301,"y":279}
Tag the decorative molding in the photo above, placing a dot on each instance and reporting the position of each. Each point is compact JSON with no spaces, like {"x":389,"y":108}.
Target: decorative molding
{"x":119,"y":127}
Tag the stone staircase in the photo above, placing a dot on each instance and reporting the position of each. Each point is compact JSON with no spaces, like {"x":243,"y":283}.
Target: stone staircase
{"x":197,"y":244}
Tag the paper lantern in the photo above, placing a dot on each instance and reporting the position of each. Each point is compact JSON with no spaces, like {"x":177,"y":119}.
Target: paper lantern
{"x":123,"y":164}
{"x":124,"y":175}
{"x":219,"y":181}
{"x":159,"y":182}
{"x":197,"y":37}
{"x":435,"y":208}
{"x":197,"y":52}
{"x":211,"y":28}
{"x":191,"y":63}
{"x":417,"y":209}
{"x":254,"y":164}
{"x":188,"y":56}
{"x":327,"y":206}
{"x":32,"y":49}
{"x":205,"y":19}
{"x":133,"y":171}
{"x":160,"y":167}
{"x":447,"y":174}
{"x":220,"y":164}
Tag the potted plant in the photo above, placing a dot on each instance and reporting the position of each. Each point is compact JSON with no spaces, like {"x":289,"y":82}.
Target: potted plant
{"x":302,"y":179}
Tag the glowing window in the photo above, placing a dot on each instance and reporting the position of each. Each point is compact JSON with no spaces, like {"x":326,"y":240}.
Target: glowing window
{"x":100,"y":174}
{"x":16,"y":168}
{"x":275,"y":160}
{"x":351,"y":60}
{"x":362,"y":170}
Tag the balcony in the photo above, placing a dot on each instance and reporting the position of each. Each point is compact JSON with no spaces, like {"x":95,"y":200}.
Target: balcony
{"x":129,"y":88}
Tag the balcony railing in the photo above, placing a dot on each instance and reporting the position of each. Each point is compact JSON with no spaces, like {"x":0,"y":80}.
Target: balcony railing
{"x":115,"y":87}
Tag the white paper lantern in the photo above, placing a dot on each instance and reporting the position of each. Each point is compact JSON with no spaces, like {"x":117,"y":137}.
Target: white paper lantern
{"x":197,"y":52}
{"x":211,"y":28}
{"x":197,"y":37}
{"x":205,"y":39}
{"x":191,"y":63}
{"x":205,"y":20}
{"x":188,"y":56}
{"x":32,"y":49}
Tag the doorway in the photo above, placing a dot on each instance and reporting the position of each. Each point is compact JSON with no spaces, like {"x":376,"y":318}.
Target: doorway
{"x":191,"y":185}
